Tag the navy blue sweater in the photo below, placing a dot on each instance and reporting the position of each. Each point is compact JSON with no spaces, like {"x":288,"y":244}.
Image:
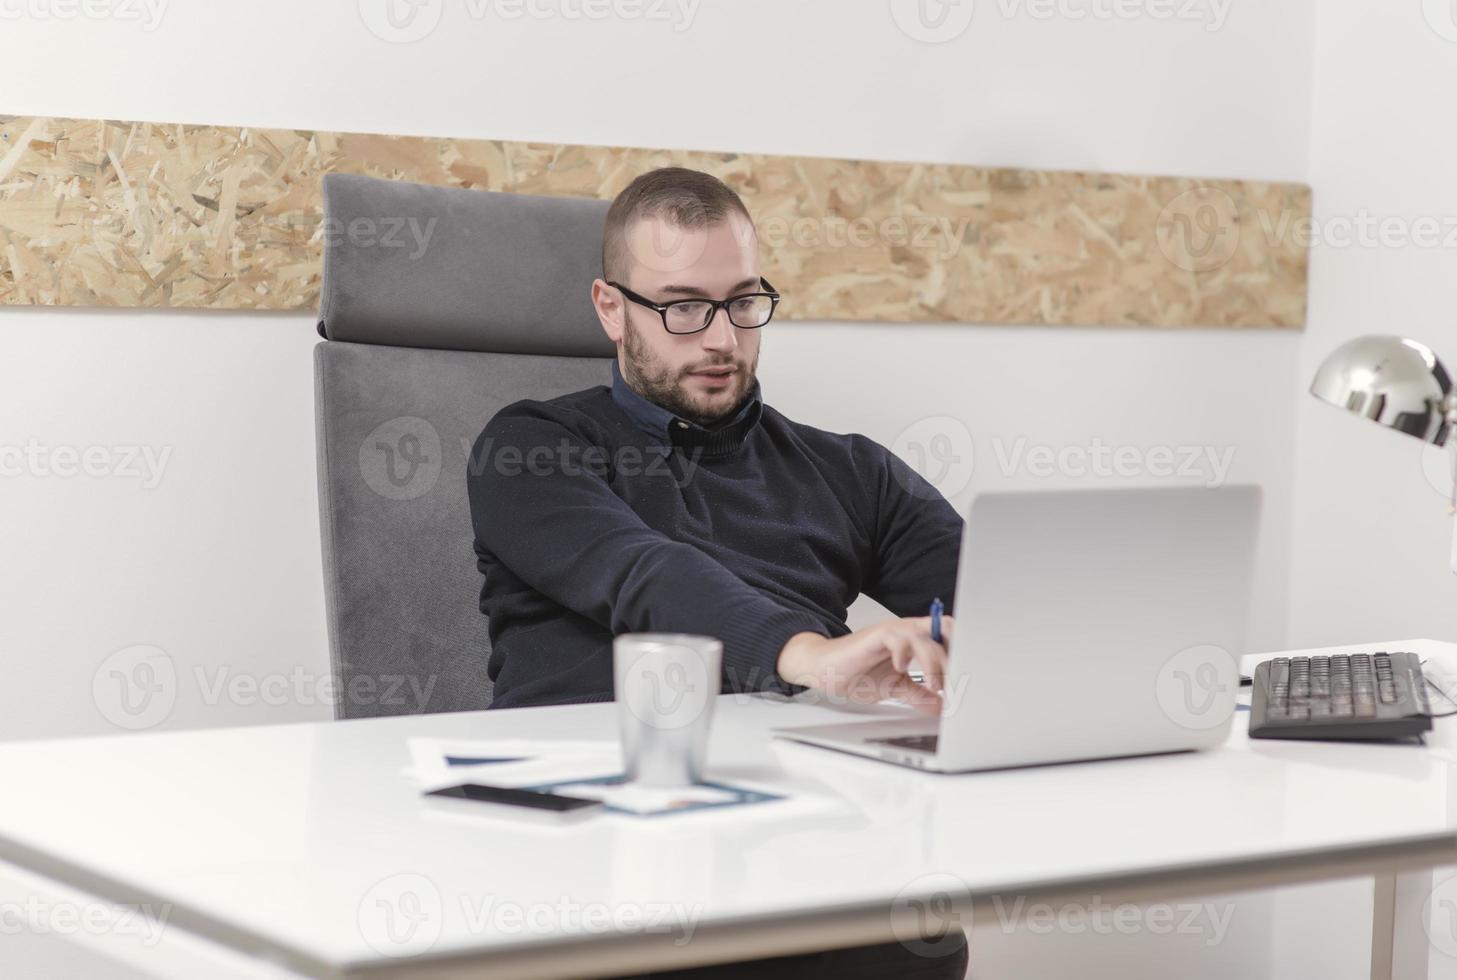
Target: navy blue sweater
{"x":600,"y":513}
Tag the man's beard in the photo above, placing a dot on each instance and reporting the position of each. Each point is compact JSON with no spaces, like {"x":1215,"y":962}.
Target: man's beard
{"x":659,"y":385}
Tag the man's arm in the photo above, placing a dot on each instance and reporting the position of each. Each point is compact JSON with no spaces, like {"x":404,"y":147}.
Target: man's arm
{"x":917,"y":541}
{"x":917,"y":537}
{"x":541,"y":504}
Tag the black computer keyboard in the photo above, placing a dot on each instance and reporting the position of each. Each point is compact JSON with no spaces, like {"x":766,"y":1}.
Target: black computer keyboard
{"x":1347,"y":696}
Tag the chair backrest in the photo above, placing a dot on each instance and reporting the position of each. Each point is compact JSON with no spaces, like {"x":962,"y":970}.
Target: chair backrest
{"x":439,"y":307}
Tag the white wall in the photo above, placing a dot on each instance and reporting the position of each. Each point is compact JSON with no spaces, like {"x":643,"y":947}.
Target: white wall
{"x":218,"y":565}
{"x":1372,"y":530}
{"x":209,"y":553}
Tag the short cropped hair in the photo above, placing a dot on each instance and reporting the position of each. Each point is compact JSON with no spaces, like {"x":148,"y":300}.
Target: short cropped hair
{"x":686,"y":198}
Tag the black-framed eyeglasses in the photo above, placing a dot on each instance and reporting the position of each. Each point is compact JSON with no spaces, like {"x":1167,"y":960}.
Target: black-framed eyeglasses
{"x":748,"y":311}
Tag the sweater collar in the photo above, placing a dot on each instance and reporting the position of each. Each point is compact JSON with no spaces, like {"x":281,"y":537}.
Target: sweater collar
{"x":668,"y":430}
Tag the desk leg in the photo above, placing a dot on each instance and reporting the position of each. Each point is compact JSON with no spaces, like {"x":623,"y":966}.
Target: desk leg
{"x":1399,"y":942}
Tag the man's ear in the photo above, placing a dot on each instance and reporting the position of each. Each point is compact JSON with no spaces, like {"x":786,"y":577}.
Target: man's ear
{"x":608,"y":303}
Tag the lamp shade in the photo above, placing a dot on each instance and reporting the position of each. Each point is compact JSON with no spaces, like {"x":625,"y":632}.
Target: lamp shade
{"x":1392,"y":380}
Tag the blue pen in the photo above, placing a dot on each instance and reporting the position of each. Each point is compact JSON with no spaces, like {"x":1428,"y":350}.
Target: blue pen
{"x":936,"y":607}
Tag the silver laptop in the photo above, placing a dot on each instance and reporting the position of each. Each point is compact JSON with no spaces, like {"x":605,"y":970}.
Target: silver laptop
{"x":1090,"y":624}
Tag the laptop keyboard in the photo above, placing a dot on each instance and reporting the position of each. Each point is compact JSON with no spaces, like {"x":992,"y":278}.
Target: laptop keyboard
{"x":921,"y":743}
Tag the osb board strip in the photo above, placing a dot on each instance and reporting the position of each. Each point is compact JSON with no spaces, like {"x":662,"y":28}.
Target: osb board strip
{"x":107,"y":213}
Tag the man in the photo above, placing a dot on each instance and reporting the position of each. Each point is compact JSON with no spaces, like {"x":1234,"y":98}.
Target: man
{"x":678,"y":501}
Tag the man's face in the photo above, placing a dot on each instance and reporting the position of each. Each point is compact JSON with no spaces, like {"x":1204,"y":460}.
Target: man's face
{"x":703,"y":376}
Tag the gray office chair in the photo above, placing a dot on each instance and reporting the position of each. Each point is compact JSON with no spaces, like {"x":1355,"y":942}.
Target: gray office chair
{"x":439,"y":307}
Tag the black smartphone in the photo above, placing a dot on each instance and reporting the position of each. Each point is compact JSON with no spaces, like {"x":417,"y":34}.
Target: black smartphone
{"x":542,"y":804}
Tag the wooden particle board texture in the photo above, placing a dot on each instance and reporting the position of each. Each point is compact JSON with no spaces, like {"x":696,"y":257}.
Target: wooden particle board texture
{"x":105,"y":213}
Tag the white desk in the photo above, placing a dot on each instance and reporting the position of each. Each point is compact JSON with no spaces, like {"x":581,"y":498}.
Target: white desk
{"x":275,"y":850}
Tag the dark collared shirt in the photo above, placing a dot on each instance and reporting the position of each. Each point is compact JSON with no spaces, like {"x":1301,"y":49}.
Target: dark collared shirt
{"x":668,"y":430}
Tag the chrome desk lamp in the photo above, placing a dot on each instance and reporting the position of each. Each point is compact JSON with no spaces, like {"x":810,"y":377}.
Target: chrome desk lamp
{"x":1395,"y":381}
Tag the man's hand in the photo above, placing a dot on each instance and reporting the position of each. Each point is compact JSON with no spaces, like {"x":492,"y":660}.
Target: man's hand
{"x":870,"y":665}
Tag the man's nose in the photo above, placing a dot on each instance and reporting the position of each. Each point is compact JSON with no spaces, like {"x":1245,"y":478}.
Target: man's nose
{"x":721,"y":333}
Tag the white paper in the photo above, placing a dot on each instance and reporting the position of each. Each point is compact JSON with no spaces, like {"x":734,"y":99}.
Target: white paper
{"x":540,"y":761}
